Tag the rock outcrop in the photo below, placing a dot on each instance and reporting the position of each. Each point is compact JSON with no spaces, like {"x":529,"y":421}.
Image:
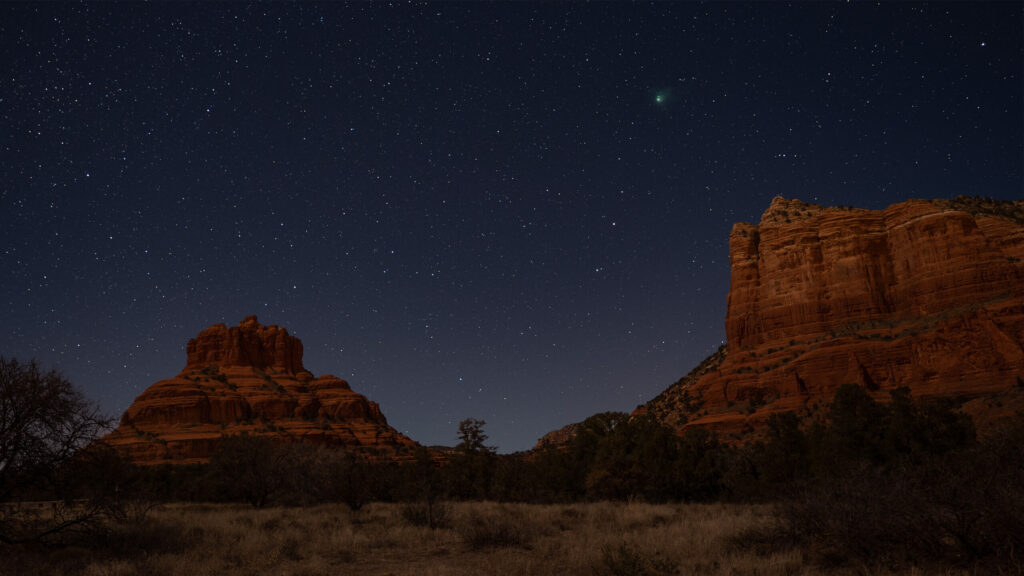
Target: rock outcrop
{"x":250,"y":379}
{"x":923,"y":294}
{"x":558,"y":438}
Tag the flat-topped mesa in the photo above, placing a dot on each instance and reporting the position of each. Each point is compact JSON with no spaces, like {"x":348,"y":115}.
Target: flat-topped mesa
{"x":249,"y":379}
{"x":248,"y":344}
{"x":807,"y":270}
{"x":927,"y":294}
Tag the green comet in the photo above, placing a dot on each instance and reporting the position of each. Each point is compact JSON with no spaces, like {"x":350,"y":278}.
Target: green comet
{"x":661,"y":97}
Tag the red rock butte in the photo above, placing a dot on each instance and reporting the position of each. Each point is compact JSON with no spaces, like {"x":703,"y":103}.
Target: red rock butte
{"x":923,"y":294}
{"x":250,"y":379}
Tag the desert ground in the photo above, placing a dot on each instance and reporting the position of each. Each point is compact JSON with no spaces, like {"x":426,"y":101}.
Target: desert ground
{"x":593,"y":539}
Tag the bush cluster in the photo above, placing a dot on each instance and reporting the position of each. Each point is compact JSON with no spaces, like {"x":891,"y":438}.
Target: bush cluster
{"x":901,"y":482}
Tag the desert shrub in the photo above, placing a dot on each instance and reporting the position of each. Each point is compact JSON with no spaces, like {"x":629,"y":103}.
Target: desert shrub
{"x":917,"y":430}
{"x":639,"y":457}
{"x":421,"y":489}
{"x":856,"y":427}
{"x":623,"y":560}
{"x":858,"y":432}
{"x":902,"y":483}
{"x":860,"y":429}
{"x":144,"y":538}
{"x":127,"y":543}
{"x":329,"y":474}
{"x":552,"y":476}
{"x":763,"y":540}
{"x":699,"y":468}
{"x":626,"y":560}
{"x":260,"y":470}
{"x":426,"y":513}
{"x":290,"y":549}
{"x":517,"y":480}
{"x":960,"y":509}
{"x":614,"y":456}
{"x":785,"y":456}
{"x":858,"y":518}
{"x":576,"y":463}
{"x":981,"y":493}
{"x":495,"y":529}
{"x":254,"y":469}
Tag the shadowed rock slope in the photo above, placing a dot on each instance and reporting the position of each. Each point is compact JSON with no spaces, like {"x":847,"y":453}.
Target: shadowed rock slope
{"x":923,"y":294}
{"x":250,"y":379}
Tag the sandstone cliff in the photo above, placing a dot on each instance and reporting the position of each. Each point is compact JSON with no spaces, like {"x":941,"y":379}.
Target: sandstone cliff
{"x":250,"y":379}
{"x":923,"y":294}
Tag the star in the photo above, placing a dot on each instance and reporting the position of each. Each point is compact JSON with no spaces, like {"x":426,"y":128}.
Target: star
{"x":487,"y":214}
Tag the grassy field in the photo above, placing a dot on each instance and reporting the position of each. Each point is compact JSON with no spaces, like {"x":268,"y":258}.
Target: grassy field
{"x":614,"y":539}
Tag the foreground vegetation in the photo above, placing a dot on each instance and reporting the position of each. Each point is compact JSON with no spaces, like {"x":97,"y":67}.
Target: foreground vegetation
{"x":595,"y":539}
{"x":899,"y":487}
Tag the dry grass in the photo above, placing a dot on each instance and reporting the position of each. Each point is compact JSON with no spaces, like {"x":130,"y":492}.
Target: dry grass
{"x":483,"y":538}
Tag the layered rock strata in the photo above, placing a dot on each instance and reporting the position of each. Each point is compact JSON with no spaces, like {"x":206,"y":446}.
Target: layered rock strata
{"x":923,"y":294}
{"x":250,"y":379}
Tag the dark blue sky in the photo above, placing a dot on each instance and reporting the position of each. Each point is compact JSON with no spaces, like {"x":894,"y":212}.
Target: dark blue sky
{"x":512,"y":212}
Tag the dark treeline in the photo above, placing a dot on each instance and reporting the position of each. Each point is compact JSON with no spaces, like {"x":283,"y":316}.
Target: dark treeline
{"x":895,"y":481}
{"x":613,"y":456}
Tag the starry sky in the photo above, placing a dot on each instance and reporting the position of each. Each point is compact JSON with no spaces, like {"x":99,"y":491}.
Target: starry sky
{"x":513,"y":212}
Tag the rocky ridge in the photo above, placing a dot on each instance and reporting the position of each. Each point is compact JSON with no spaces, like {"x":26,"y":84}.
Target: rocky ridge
{"x":250,"y":379}
{"x":923,"y":294}
{"x":558,"y":438}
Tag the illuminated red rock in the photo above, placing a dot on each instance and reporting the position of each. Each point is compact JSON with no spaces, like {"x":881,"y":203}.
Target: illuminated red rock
{"x":248,"y":344}
{"x":558,"y":438}
{"x":923,"y":294}
{"x":250,"y":379}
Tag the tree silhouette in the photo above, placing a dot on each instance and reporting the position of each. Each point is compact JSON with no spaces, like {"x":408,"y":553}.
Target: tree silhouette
{"x":44,"y":422}
{"x":472,"y":437}
{"x":473,"y":464}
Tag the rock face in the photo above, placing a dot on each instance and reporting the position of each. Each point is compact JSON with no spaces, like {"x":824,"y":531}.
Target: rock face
{"x":923,"y":294}
{"x":558,"y":438}
{"x":250,"y":379}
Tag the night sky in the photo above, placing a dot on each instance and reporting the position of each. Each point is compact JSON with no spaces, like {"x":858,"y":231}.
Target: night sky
{"x":512,"y":212}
